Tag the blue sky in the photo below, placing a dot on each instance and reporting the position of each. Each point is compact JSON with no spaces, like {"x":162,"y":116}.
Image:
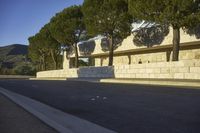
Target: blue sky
{"x":20,"y":19}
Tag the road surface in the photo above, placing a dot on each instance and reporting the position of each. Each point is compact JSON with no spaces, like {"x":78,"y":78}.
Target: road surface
{"x":119,"y":107}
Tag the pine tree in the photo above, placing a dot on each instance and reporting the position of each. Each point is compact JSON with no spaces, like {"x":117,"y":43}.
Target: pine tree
{"x":109,"y":18}
{"x":176,"y":13}
{"x":67,"y":27}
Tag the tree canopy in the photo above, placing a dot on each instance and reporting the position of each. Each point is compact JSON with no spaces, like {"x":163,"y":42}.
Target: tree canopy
{"x":44,"y":49}
{"x":109,"y":18}
{"x":176,"y":13}
{"x":67,"y":27}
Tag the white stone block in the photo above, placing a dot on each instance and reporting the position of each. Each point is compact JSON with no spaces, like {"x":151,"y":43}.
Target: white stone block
{"x":165,"y":70}
{"x":179,"y":76}
{"x":156,"y":70}
{"x":142,"y":75}
{"x":134,"y":70}
{"x":165,"y":76}
{"x":161,"y":64}
{"x":124,"y":71}
{"x":174,"y":70}
{"x":149,"y":70}
{"x":127,"y":67}
{"x":183,"y":69}
{"x":195,"y":69}
{"x":142,"y":70}
{"x":152,"y":65}
{"x":197,"y":63}
{"x":132,"y":75}
{"x":192,"y":76}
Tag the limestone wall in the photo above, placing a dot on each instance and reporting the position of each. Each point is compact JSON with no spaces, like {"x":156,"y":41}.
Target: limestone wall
{"x":128,"y":44}
{"x":96,"y":72}
{"x":186,"y":69}
{"x":63,"y":73}
{"x":149,"y":57}
{"x":86,"y":72}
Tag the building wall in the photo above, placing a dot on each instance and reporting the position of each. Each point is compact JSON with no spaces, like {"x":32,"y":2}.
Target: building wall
{"x":128,"y":44}
{"x":150,"y":57}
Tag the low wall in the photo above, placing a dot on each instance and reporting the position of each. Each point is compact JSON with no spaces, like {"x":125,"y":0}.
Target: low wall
{"x":185,"y":69}
{"x":63,"y":73}
{"x":98,"y":72}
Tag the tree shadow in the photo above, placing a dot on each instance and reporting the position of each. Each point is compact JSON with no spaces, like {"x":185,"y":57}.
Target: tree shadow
{"x":150,"y":36}
{"x":69,"y":50}
{"x":87,"y":48}
{"x":194,"y":31}
{"x":105,"y":43}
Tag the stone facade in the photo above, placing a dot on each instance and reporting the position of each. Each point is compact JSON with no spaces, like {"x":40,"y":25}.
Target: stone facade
{"x":155,"y":56}
{"x":154,"y":64}
{"x":145,"y":58}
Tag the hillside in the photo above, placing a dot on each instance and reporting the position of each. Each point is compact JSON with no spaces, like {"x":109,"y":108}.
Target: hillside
{"x":12,"y":56}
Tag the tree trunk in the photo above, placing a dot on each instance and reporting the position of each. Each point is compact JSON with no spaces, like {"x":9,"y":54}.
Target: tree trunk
{"x":44,"y":63}
{"x":76,"y":56}
{"x":176,"y":44}
{"x":53,"y":58}
{"x":110,"y":51}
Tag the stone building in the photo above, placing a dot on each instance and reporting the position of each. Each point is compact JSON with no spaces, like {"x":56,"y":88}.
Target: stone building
{"x":129,"y":53}
{"x":136,"y":60}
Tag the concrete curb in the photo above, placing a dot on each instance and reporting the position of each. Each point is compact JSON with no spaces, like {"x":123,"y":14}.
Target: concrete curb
{"x":15,"y":77}
{"x":48,"y":78}
{"x":157,"y":82}
{"x":60,"y":121}
{"x":185,"y":84}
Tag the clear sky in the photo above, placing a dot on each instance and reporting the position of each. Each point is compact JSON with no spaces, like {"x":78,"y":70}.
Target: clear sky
{"x":20,"y":19}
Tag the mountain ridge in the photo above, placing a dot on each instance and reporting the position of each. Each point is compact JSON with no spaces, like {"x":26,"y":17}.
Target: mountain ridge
{"x":12,"y":56}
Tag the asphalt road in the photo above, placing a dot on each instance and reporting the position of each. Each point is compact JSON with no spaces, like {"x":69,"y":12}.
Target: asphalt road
{"x":122,"y":108}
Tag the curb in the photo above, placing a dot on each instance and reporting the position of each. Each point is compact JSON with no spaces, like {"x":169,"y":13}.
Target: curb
{"x":174,"y":83}
{"x":60,"y":121}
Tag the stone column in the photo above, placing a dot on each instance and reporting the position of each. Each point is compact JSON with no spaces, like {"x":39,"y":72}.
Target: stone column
{"x":65,"y":61}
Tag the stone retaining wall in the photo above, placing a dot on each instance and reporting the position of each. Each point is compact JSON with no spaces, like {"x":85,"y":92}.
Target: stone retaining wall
{"x":86,"y":72}
{"x":186,"y":69}
{"x":96,"y":72}
{"x":58,"y":73}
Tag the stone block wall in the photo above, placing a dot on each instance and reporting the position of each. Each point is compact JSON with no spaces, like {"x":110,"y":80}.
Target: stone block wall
{"x":63,"y":73}
{"x":185,"y":69}
{"x":149,"y":57}
{"x":96,"y":72}
{"x":82,"y":72}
